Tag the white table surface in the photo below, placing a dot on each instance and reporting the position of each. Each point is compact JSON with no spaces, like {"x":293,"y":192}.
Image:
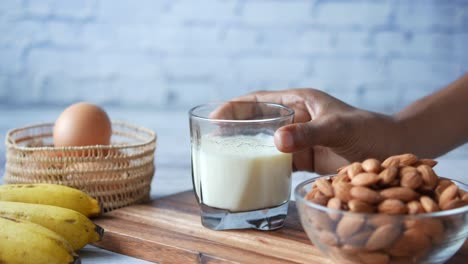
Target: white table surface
{"x":172,"y":158}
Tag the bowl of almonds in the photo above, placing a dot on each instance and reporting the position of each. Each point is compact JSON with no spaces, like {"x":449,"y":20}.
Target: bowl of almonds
{"x":395,"y":211}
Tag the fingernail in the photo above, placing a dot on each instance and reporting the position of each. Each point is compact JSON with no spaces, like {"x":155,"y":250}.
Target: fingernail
{"x":284,"y":139}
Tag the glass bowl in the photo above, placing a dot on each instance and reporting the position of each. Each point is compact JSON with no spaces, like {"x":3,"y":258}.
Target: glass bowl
{"x":348,"y":237}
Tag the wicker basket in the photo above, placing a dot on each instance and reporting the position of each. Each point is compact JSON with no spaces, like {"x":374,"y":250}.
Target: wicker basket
{"x":117,"y":175}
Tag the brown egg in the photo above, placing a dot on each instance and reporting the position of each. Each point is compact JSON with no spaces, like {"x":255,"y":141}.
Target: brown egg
{"x":82,"y":124}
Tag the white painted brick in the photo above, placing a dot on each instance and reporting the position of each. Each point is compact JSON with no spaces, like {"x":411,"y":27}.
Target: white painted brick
{"x":313,"y":41}
{"x":63,"y":34}
{"x":277,"y":41}
{"x":353,"y":42}
{"x":201,"y":10}
{"x":10,"y":61}
{"x":67,"y":89}
{"x":48,"y":62}
{"x":269,"y":68}
{"x":197,"y":40}
{"x":4,"y":90}
{"x":197,"y":68}
{"x":22,"y":89}
{"x":174,"y":39}
{"x":434,"y":45}
{"x":350,"y":70}
{"x":125,"y":12}
{"x":124,"y":89}
{"x":10,"y":10}
{"x":189,"y":93}
{"x":412,"y":91}
{"x":363,"y":14}
{"x":291,"y":42}
{"x":278,"y":13}
{"x":421,"y":15}
{"x":379,"y":96}
{"x":49,"y":66}
{"x":239,"y":40}
{"x":139,"y":91}
{"x":58,"y":9}
{"x":425,"y":71}
{"x":390,"y":42}
{"x":21,"y":34}
{"x":461,"y":40}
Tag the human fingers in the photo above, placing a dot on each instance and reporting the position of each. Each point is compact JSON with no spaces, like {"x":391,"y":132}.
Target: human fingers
{"x":328,"y":131}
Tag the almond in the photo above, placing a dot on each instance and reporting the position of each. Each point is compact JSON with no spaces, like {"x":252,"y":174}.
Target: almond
{"x":410,"y":178}
{"x":428,"y":175}
{"x":349,"y":225}
{"x":336,"y":204}
{"x":415,"y":207}
{"x":429,"y":162}
{"x":407,"y":159}
{"x":402,"y":260}
{"x":319,"y":220}
{"x":359,"y":239}
{"x":354,"y":169}
{"x":408,"y":170}
{"x":365,"y":179}
{"x":452,"y":204}
{"x":311,"y":194}
{"x":410,"y":243}
{"x":401,"y":193}
{"x":328,"y":238}
{"x":443,"y":184}
{"x":351,"y":249}
{"x":343,"y":256}
{"x":428,"y":204}
{"x":388,"y":175}
{"x":343,"y":191}
{"x":365,"y":194}
{"x":325,"y":187}
{"x":378,"y":220}
{"x":371,"y":165}
{"x":339,"y":178}
{"x":465,"y":197}
{"x":448,"y":194}
{"x":392,"y":161}
{"x":431,"y":227}
{"x":358,"y":206}
{"x":343,"y":169}
{"x":392,"y":206}
{"x":374,"y":258}
{"x":383,"y":237}
{"x":322,"y":200}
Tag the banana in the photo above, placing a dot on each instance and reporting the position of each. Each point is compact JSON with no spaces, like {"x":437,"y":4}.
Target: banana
{"x":76,"y":228}
{"x":51,"y":194}
{"x":25,"y":242}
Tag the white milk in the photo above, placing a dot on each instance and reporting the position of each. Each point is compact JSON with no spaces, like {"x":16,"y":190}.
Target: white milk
{"x":241,"y":173}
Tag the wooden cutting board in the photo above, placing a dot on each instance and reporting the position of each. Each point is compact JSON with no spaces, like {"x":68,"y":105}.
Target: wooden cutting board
{"x":168,"y":230}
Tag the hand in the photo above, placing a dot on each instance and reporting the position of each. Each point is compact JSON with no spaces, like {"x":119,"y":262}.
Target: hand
{"x":327,"y":133}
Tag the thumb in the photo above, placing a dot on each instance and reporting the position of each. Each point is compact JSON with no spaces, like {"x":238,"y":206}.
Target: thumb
{"x":331,"y":131}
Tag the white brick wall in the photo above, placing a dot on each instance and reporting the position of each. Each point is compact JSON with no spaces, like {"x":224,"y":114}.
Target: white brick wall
{"x":378,"y":55}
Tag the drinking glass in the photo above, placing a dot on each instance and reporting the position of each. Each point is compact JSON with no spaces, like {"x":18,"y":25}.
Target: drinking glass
{"x":241,"y":180}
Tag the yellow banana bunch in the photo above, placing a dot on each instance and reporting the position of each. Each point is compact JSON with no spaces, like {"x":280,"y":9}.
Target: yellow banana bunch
{"x":76,"y":228}
{"x":25,"y":242}
{"x":51,"y":194}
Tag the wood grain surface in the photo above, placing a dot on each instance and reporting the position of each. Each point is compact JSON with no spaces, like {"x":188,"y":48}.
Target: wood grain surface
{"x":168,"y":230}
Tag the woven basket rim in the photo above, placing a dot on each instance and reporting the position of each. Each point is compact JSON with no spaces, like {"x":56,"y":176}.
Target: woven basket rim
{"x":10,"y":143}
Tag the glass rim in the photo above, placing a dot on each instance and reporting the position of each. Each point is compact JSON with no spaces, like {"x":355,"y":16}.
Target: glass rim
{"x":302,"y":199}
{"x":290,"y":113}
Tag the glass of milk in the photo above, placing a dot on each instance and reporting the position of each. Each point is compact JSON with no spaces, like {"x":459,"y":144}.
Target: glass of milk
{"x":241,"y":180}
